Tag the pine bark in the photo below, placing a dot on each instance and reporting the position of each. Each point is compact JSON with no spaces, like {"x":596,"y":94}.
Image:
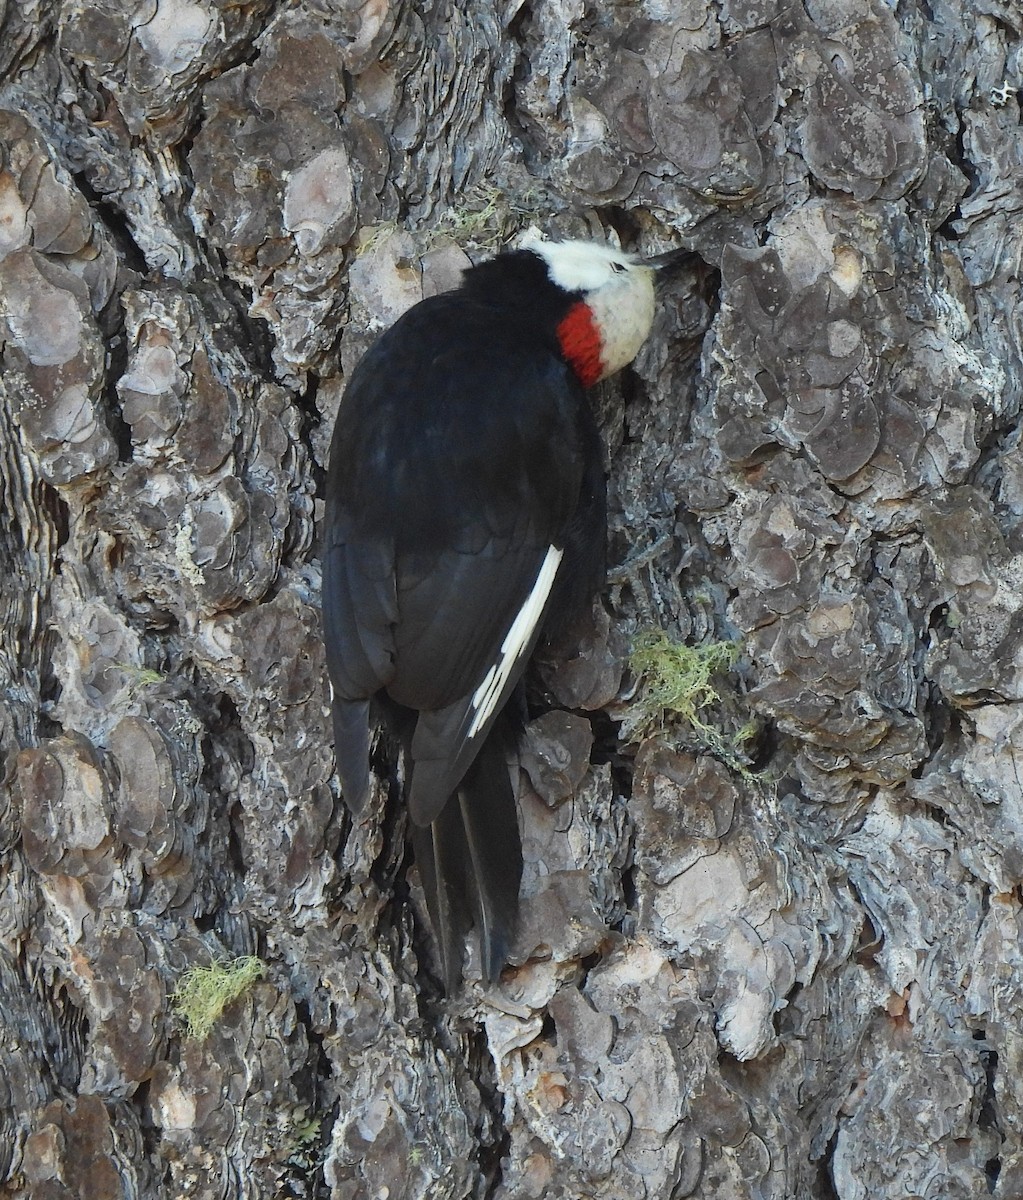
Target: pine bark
{"x":771,"y":926}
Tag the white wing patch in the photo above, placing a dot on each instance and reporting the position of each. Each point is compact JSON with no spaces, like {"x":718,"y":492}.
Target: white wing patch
{"x":487,"y":696}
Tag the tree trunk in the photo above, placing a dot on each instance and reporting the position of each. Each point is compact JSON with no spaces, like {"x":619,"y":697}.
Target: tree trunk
{"x":770,"y":943}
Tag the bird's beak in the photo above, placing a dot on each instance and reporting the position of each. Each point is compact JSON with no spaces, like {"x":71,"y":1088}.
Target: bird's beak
{"x":670,"y":265}
{"x":671,"y":261}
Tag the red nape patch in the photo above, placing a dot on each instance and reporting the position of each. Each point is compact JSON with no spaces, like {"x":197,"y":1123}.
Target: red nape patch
{"x":581,"y":343}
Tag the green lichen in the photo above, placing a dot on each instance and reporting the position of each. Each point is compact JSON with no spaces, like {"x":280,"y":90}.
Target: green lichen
{"x":488,"y":218}
{"x":373,"y":236}
{"x":203,"y":993}
{"x":485,"y":219}
{"x":678,"y":679}
{"x":481,"y":221}
{"x":305,"y":1128}
{"x":140,"y":676}
{"x":302,"y":1141}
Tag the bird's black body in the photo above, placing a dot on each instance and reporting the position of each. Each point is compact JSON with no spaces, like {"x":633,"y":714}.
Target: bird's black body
{"x":464,"y":450}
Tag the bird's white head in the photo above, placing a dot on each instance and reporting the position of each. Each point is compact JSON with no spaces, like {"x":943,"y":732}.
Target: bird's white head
{"x":606,"y":328}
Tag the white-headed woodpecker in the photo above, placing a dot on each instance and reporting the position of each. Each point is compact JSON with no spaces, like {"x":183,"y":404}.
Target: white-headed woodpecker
{"x":465,"y":518}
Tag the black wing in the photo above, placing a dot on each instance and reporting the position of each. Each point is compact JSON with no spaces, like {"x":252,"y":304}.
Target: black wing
{"x":456,"y":467}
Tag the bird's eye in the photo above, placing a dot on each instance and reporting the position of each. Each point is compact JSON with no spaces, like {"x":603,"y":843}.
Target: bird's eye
{"x":618,"y":268}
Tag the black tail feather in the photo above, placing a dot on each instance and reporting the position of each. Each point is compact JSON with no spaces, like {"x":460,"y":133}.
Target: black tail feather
{"x":352,"y":735}
{"x":441,"y":857}
{"x":486,"y":803}
{"x":470,"y":865}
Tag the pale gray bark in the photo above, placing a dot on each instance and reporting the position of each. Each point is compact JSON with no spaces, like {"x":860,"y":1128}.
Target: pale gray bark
{"x":796,"y":978}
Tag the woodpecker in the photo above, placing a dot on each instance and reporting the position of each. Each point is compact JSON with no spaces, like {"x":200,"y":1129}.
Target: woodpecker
{"x":465,"y":520}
